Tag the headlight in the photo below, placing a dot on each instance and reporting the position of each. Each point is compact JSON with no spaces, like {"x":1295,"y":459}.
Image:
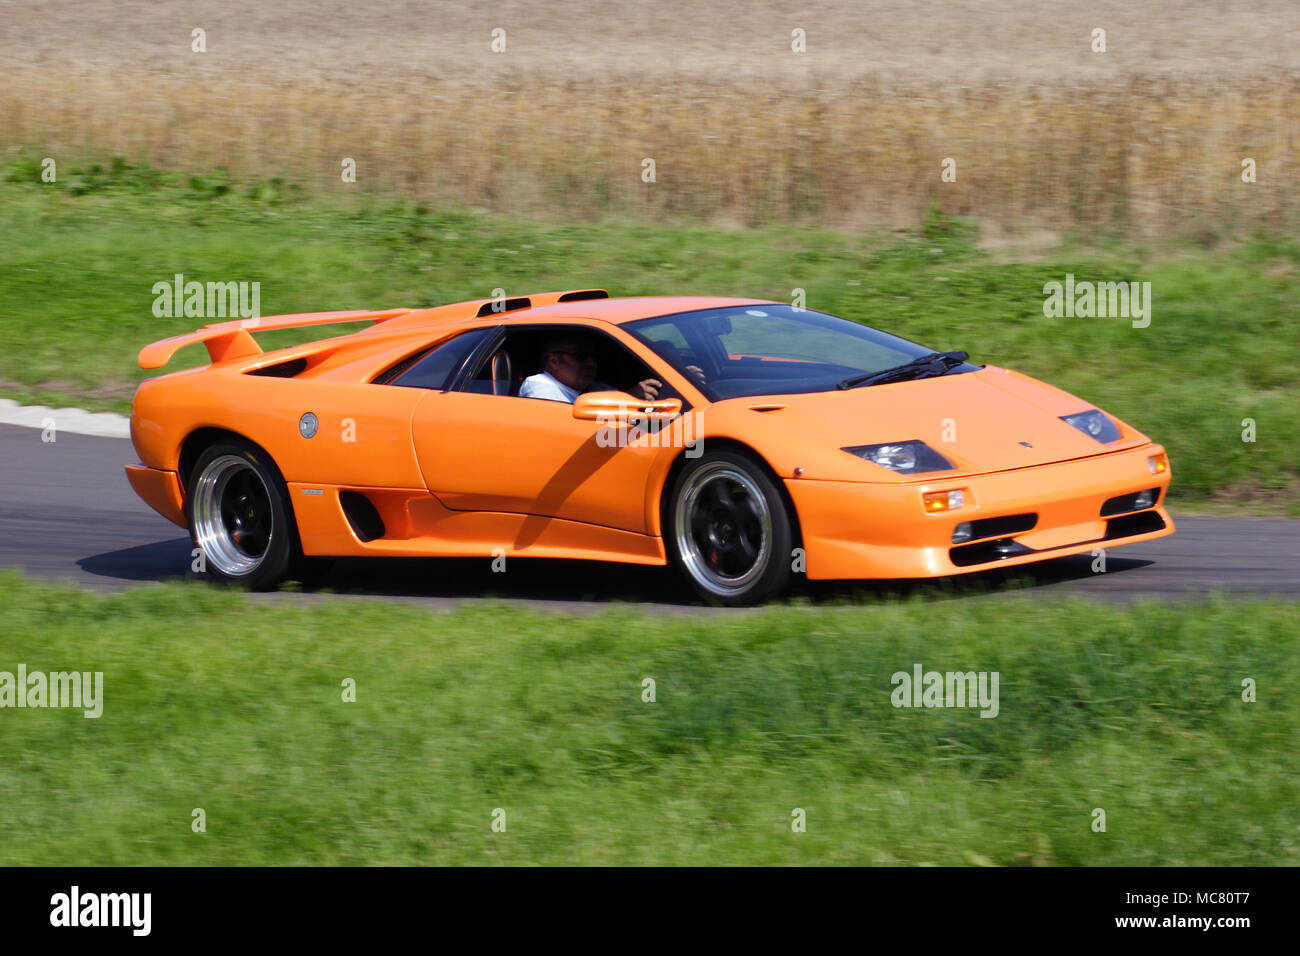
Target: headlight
{"x":1093,"y":424}
{"x":905,"y":457}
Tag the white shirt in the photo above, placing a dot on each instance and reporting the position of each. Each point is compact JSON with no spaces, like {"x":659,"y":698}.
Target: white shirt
{"x":547,"y":386}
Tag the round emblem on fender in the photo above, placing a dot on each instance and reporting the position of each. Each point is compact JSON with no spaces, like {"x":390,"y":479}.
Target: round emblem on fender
{"x":307,"y":425}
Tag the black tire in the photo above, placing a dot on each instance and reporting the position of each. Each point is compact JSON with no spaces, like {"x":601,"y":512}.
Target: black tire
{"x":239,"y":516}
{"x":728,"y":530}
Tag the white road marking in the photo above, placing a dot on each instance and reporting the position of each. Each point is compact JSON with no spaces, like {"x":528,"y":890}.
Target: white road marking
{"x":77,"y":421}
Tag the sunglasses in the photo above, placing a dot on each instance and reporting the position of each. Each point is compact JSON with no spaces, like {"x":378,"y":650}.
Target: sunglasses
{"x":582,"y":356}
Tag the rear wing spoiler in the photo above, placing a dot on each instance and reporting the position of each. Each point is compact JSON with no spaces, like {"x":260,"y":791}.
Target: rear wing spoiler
{"x":227,"y":341}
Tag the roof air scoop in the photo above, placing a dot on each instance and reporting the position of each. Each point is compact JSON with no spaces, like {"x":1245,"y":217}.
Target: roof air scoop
{"x":497,"y":306}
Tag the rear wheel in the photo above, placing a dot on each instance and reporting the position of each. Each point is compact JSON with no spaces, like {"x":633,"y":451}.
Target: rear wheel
{"x":728,"y":529}
{"x":239,"y":516}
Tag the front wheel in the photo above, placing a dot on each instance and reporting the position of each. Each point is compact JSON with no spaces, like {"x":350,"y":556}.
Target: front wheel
{"x":238,"y":511}
{"x":728,"y":529}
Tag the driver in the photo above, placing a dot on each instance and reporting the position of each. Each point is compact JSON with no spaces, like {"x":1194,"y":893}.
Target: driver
{"x":569,"y":369}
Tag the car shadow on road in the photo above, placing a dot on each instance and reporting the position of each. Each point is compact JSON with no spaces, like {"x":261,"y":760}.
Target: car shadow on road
{"x":160,"y":561}
{"x":553,"y":581}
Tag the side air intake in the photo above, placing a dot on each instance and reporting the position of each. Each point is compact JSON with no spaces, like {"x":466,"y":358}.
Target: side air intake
{"x":280,"y":369}
{"x":362,"y":515}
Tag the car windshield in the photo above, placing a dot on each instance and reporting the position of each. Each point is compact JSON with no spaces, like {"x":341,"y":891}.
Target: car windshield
{"x":773,"y":349}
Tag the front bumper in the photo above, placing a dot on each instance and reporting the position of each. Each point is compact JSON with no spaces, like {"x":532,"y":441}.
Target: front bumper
{"x":879,"y":530}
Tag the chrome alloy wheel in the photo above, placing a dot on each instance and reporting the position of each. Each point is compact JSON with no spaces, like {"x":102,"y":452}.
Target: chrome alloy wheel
{"x":723,"y":528}
{"x":233,"y":520}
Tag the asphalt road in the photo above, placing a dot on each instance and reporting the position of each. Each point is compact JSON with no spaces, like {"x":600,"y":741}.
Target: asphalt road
{"x":67,"y":512}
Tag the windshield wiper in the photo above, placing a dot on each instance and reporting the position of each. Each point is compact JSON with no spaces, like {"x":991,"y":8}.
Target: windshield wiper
{"x":936,"y":363}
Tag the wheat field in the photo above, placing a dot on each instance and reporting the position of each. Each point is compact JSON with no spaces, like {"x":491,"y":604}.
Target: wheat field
{"x":1042,"y":132}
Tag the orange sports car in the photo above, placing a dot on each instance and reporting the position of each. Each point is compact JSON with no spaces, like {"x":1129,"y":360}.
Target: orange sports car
{"x":742,"y":441}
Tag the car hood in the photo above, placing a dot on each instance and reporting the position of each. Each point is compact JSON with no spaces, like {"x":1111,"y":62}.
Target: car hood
{"x":989,"y":420}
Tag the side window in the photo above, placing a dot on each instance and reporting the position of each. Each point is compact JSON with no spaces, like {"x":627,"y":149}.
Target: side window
{"x":433,"y":368}
{"x":592,"y":360}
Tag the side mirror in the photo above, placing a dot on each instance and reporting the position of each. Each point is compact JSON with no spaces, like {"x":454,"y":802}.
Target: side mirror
{"x":618,"y":408}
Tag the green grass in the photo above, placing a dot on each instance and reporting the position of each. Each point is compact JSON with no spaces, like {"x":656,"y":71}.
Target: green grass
{"x":214,"y":701}
{"x":78,"y":260}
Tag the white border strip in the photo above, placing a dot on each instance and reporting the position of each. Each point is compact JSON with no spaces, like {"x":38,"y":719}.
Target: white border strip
{"x":76,"y":421}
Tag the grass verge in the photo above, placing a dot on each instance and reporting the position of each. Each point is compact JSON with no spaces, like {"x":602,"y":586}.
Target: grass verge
{"x":210,"y":704}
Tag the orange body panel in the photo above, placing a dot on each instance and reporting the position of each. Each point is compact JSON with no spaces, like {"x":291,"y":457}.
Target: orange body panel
{"x":363,"y":437}
{"x":418,"y":525}
{"x":160,"y":490}
{"x":535,"y":459}
{"x":852,"y":532}
{"x":460,"y":473}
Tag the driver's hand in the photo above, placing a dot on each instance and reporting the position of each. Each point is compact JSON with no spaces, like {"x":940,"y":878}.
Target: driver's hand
{"x":696,"y":373}
{"x":649,"y":388}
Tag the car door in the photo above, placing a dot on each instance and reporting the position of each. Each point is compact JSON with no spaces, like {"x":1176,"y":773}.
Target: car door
{"x":504,"y":453}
